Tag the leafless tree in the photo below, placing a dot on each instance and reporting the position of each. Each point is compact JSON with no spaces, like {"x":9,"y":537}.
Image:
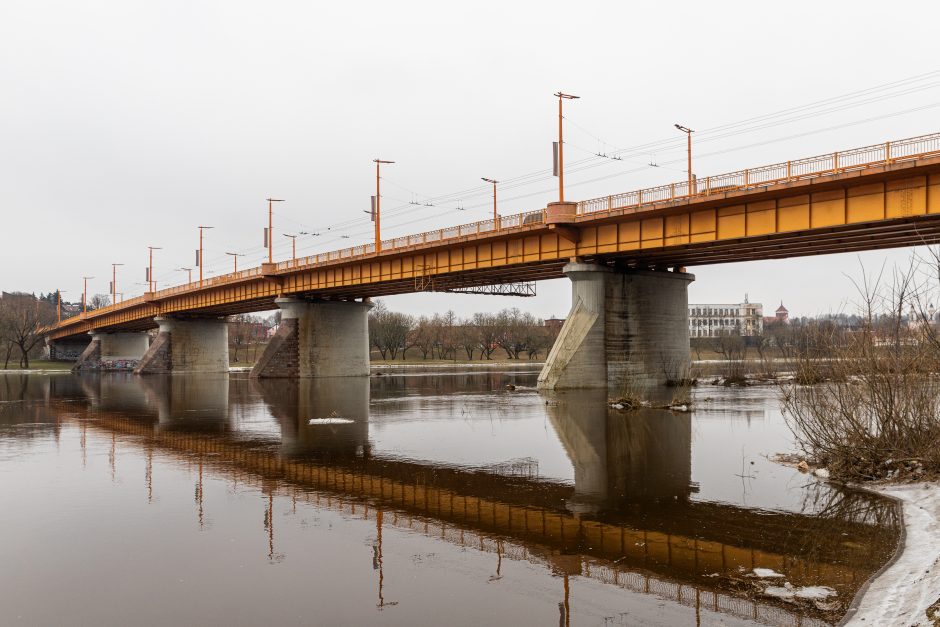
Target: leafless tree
{"x":22,"y":317}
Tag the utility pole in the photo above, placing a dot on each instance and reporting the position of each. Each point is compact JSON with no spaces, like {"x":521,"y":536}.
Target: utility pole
{"x":85,"y":294}
{"x":377,"y":213}
{"x":269,"y":234}
{"x":190,"y":271}
{"x":293,"y":246}
{"x":150,"y":267}
{"x":199,"y":257}
{"x":560,"y":164}
{"x":235,"y":256}
{"x":495,"y":216}
{"x":114,"y":282}
{"x":688,"y":132}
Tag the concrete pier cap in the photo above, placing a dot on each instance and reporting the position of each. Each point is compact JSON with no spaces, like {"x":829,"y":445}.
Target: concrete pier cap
{"x":627,"y":331}
{"x":318,"y":338}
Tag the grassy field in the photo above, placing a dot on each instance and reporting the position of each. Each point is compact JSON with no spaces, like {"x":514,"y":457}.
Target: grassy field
{"x":35,"y":364}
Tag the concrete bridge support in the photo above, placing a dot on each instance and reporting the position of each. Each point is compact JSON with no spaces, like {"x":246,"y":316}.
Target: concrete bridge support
{"x":187,"y":345}
{"x":113,"y":351}
{"x":66,"y":349}
{"x":627,"y":331}
{"x":318,"y":339}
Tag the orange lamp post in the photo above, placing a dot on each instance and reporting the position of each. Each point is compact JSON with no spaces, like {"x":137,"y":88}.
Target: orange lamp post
{"x":150,"y":280}
{"x":114,"y":282}
{"x":688,"y":133}
{"x":561,"y":145}
{"x":199,"y":256}
{"x":235,"y":256}
{"x":85,"y":293}
{"x":269,"y":236}
{"x":495,"y":216}
{"x":293,"y":246}
{"x":377,"y":214}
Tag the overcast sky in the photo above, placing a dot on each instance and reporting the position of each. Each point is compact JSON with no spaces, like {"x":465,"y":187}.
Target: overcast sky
{"x":127,"y":124}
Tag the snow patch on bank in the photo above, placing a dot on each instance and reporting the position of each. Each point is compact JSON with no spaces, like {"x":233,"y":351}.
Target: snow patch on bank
{"x":903,"y":592}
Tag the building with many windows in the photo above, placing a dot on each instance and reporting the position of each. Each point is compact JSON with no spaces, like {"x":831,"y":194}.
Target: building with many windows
{"x":720,"y":319}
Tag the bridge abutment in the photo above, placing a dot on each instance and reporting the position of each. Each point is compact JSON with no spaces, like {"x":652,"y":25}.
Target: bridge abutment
{"x":318,"y":339}
{"x":187,"y":345}
{"x":627,"y":331}
{"x":113,"y":351}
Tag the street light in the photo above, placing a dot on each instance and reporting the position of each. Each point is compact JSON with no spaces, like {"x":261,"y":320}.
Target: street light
{"x":58,"y":305}
{"x":150,"y":267}
{"x":114,"y":282}
{"x":199,"y":252}
{"x":377,"y":206}
{"x":293,"y":246}
{"x":560,"y":161}
{"x":85,"y":294}
{"x":190,"y":271}
{"x":268,"y":234}
{"x":688,"y":133}
{"x":495,"y":217}
{"x":235,"y":256}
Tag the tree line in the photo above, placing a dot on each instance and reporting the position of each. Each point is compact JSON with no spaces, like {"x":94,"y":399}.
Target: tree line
{"x":515,"y":333}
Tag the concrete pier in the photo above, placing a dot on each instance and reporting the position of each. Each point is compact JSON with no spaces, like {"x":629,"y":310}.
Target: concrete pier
{"x":318,"y":339}
{"x":113,"y":351}
{"x":187,"y":345}
{"x":627,"y":329}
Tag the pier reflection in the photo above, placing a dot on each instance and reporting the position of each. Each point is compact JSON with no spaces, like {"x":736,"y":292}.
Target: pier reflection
{"x":627,"y":519}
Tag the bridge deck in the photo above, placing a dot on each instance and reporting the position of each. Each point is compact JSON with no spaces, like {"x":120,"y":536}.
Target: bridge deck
{"x":844,"y":202}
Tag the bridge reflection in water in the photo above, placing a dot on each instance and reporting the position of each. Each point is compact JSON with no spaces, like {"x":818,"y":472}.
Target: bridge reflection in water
{"x":628,"y":519}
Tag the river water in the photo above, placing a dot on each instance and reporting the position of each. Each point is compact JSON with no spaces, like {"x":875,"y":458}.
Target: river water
{"x":415,"y":497}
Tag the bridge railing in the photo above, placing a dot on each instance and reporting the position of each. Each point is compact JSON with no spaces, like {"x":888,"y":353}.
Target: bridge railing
{"x":419,"y":239}
{"x":764,"y":176}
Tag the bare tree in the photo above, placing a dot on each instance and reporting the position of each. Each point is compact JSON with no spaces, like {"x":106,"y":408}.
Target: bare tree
{"x":98,"y":301}
{"x":389,"y":331}
{"x":22,"y":317}
{"x":422,"y":336}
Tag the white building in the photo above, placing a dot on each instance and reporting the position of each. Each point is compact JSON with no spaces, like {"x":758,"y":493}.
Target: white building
{"x":726,"y":319}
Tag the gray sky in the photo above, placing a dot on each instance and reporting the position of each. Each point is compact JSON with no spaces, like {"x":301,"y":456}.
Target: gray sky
{"x":127,"y":124}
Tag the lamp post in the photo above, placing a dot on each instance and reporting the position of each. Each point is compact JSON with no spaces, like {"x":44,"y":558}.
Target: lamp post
{"x":688,"y":132}
{"x":190,"y":271}
{"x":150,"y":267}
{"x":293,"y":246}
{"x":376,"y":216}
{"x":199,"y":252}
{"x":85,"y":294}
{"x":495,"y":217}
{"x":269,"y":236}
{"x":561,"y":145}
{"x":58,"y":305}
{"x":114,"y":282}
{"x":235,"y":256}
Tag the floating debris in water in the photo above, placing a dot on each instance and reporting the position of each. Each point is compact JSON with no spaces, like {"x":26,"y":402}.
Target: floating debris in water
{"x":766,"y":573}
{"x":332,"y":420}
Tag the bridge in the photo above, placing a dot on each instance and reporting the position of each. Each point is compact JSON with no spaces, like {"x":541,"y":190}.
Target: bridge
{"x":625,"y":254}
{"x":627,"y":519}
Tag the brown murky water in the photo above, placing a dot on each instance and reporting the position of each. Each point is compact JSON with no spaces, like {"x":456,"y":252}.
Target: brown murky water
{"x":412,"y":498}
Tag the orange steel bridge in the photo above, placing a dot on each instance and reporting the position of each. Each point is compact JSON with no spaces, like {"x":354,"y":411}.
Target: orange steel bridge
{"x":881,"y":196}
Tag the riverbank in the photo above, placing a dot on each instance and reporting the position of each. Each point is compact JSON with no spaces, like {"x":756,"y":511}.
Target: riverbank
{"x":909,"y":586}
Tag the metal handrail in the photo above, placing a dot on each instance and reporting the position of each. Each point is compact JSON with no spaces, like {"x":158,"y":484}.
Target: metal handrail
{"x":765,"y":176}
{"x":751,"y":178}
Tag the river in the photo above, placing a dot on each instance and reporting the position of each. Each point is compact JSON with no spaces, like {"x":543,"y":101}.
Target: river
{"x":446,"y":496}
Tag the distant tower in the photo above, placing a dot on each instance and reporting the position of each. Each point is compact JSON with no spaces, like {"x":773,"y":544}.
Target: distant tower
{"x":783,"y":315}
